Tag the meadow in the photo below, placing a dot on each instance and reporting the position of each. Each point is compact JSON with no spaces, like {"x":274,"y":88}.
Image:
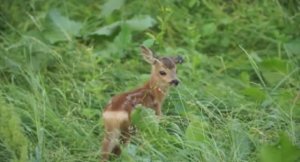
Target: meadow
{"x":238,"y":100}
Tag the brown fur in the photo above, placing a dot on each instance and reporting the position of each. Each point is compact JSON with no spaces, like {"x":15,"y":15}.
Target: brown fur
{"x":117,"y":112}
{"x":168,"y":62}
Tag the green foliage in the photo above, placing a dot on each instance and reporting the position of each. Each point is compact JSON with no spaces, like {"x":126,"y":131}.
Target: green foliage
{"x":110,"y":6}
{"x":61,"y":28}
{"x":61,"y":61}
{"x":283,"y":150}
{"x":196,"y":131}
{"x":13,"y":142}
{"x":145,"y":120}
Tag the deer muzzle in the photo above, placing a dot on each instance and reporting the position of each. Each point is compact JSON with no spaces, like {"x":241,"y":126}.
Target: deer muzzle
{"x":174,"y":82}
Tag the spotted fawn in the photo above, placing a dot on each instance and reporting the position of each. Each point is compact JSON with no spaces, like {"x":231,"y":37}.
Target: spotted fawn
{"x":117,"y":112}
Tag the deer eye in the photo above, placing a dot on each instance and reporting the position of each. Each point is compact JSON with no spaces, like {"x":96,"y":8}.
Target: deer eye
{"x":162,"y":73}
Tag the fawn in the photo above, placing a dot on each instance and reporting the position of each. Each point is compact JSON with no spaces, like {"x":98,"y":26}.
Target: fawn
{"x":117,"y":113}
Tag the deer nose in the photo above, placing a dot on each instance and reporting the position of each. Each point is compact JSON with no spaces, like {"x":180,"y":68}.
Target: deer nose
{"x":175,"y":82}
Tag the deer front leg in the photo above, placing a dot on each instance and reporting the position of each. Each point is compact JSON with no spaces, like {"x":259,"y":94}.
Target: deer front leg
{"x":157,"y":109}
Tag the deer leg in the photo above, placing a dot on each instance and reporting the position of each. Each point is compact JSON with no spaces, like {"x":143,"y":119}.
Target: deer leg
{"x":113,"y":122}
{"x":110,"y":142}
{"x":157,"y":109}
{"x":105,"y":149}
{"x":124,"y":138}
{"x":117,"y":150}
{"x":125,"y":134}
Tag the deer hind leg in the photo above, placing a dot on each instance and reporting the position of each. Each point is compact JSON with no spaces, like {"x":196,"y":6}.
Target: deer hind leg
{"x":110,"y":141}
{"x":123,"y":138}
{"x":125,"y":133}
{"x":113,"y":121}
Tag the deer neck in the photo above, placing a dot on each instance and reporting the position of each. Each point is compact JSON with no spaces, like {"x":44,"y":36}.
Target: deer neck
{"x":158,"y":88}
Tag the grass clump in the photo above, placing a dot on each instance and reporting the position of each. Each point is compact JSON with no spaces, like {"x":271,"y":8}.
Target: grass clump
{"x":13,"y":141}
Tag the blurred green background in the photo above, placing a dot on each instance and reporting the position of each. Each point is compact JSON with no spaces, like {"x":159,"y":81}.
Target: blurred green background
{"x":239,"y":97}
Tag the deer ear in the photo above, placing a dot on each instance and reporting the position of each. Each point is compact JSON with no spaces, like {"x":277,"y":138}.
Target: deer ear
{"x":148,"y":55}
{"x":178,"y":60}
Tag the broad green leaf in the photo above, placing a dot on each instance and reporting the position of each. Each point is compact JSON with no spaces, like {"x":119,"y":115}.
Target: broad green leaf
{"x":254,"y":93}
{"x":283,"y":151}
{"x":107,"y":29}
{"x":196,"y":130}
{"x":148,"y":42}
{"x":138,"y":23}
{"x":274,"y":64}
{"x":293,"y":46}
{"x":68,"y":27}
{"x":274,"y":70}
{"x":61,"y":28}
{"x":141,"y":22}
{"x":54,"y":35}
{"x":123,"y":39}
{"x":110,"y":6}
{"x":272,"y":78}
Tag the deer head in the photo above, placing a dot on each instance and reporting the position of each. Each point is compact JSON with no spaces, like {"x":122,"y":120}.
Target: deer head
{"x":163,"y":68}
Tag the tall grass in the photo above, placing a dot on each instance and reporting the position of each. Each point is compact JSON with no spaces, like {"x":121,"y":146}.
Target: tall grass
{"x":61,"y":61}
